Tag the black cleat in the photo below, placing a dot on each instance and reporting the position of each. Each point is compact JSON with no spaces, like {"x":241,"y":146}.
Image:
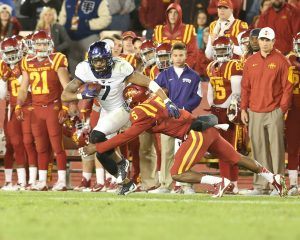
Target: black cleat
{"x":127,"y":188}
{"x":122,"y":170}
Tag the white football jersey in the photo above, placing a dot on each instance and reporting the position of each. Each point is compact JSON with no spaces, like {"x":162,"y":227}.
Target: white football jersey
{"x":111,"y":94}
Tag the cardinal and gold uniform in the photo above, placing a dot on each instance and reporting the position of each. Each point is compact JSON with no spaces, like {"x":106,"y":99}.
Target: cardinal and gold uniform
{"x":293,"y":118}
{"x":220,"y":81}
{"x":46,"y":90}
{"x":18,"y":133}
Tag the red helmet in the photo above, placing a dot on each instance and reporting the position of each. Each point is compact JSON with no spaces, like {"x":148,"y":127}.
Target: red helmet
{"x":223,"y":49}
{"x":148,"y":53}
{"x":233,"y":110}
{"x":163,"y":55}
{"x":42,"y":37}
{"x":77,"y":130}
{"x":28,"y":44}
{"x":244,"y":40}
{"x":11,"y":50}
{"x":296,"y":44}
{"x":135,"y":94}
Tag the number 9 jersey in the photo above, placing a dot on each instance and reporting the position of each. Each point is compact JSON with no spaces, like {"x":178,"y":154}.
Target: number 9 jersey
{"x":111,"y":94}
{"x":43,"y":77}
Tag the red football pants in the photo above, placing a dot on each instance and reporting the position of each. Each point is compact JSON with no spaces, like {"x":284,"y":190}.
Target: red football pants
{"x":227,"y":170}
{"x":197,"y":144}
{"x":293,"y":138}
{"x":45,"y":128}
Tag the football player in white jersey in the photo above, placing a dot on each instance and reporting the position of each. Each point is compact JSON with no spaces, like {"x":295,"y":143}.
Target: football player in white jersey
{"x":113,"y":74}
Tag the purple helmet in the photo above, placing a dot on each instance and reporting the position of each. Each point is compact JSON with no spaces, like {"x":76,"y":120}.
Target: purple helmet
{"x":100,"y":59}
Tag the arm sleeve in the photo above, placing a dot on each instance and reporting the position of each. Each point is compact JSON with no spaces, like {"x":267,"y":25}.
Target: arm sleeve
{"x":104,"y":18}
{"x":3,"y":89}
{"x":246,"y":87}
{"x":209,"y":49}
{"x":160,"y":79}
{"x":236,"y":84}
{"x":287,"y":86}
{"x":210,"y":95}
{"x":141,"y":124}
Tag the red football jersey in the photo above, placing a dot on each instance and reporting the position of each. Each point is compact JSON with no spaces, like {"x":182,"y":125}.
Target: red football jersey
{"x":219,"y":78}
{"x":13,"y":82}
{"x":43,"y":78}
{"x":131,"y":58}
{"x":151,"y":115}
{"x":295,"y":62}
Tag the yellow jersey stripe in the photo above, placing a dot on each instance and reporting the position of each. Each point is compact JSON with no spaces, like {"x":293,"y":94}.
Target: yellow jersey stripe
{"x":212,"y":26}
{"x":147,"y":105}
{"x":54,"y":60}
{"x":199,"y":145}
{"x":230,"y":70}
{"x":226,"y":70}
{"x":233,"y":28}
{"x":189,"y":34}
{"x":188,"y":153}
{"x":160,"y":33}
{"x":148,"y":113}
{"x":237,"y":27}
{"x":58,"y":62}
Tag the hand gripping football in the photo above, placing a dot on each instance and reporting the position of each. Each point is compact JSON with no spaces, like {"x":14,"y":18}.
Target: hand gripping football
{"x":89,"y":90}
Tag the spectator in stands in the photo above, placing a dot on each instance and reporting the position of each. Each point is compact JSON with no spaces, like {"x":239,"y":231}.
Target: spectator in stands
{"x":200,"y":23}
{"x":128,"y":37}
{"x":11,"y":4}
{"x":9,"y":25}
{"x":264,"y":6}
{"x":184,"y":89}
{"x":285,"y":19}
{"x":214,"y":5}
{"x":137,"y":43}
{"x":120,"y":12}
{"x":265,"y":98}
{"x":48,"y":22}
{"x":249,"y":9}
{"x":203,"y":61}
{"x":83,"y":21}
{"x":32,"y":9}
{"x":147,"y":17}
{"x":227,"y":26}
{"x":174,"y":30}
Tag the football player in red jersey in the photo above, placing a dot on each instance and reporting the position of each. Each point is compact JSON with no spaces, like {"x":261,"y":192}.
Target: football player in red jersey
{"x":293,"y":119}
{"x":198,"y":134}
{"x":224,"y":84}
{"x":46,"y":73}
{"x":18,"y":133}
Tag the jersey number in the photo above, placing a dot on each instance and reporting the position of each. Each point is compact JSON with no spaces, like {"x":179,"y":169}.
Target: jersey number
{"x":15,"y":86}
{"x":134,"y":115}
{"x":296,"y":83}
{"x":219,"y":89}
{"x":36,"y":77}
{"x":107,"y":90}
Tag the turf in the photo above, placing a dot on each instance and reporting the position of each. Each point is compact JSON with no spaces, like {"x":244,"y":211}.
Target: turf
{"x":72,"y":216}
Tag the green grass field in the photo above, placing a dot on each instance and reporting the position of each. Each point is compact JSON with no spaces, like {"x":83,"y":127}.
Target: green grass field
{"x":72,"y":216}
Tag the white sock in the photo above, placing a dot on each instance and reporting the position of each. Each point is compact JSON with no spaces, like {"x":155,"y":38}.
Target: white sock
{"x":177,"y":184}
{"x":293,"y":176}
{"x":87,"y":175}
{"x":61,"y":176}
{"x":235,"y":184}
{"x":100,"y":175}
{"x":8,"y":175}
{"x":210,"y":180}
{"x":32,"y":175}
{"x":266,"y":174}
{"x":43,"y":176}
{"x":21,"y":176}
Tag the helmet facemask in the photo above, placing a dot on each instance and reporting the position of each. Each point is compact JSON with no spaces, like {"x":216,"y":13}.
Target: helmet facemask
{"x":148,"y":56}
{"x":42,"y":47}
{"x":297,"y":47}
{"x":163,"y":60}
{"x":222,"y":53}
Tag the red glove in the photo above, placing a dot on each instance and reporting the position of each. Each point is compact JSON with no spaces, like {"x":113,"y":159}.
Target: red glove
{"x":19,"y":113}
{"x":63,"y":114}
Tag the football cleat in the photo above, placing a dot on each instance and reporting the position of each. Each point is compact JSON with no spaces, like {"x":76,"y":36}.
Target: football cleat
{"x":122,"y":170}
{"x":293,"y":191}
{"x":221,"y":187}
{"x":59,"y":186}
{"x":39,"y":186}
{"x":160,"y":190}
{"x":98,"y":187}
{"x":280,"y":185}
{"x":127,"y":188}
{"x":112,"y":188}
{"x":83,"y":185}
{"x":177,"y":190}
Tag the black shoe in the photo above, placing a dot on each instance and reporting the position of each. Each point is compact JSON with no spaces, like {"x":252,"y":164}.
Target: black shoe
{"x":127,"y":188}
{"x":122,"y":170}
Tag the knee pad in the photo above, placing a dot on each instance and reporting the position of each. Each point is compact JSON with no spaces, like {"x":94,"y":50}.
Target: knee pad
{"x":202,"y":123}
{"x":97,"y":136}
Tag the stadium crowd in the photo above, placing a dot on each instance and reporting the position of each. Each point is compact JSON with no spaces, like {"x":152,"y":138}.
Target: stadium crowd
{"x":246,"y":52}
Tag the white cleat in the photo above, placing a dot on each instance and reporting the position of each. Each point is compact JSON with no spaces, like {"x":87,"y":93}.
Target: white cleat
{"x":39,"y":186}
{"x":293,"y":191}
{"x":221,"y":187}
{"x":9,"y":187}
{"x":59,"y":186}
{"x":160,"y":190}
{"x":188,"y":190}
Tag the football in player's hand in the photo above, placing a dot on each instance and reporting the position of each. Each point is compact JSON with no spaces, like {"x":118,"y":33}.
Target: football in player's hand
{"x":89,"y":90}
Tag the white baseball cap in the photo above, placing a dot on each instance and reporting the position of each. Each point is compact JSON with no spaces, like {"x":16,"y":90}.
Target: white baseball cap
{"x":266,"y":33}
